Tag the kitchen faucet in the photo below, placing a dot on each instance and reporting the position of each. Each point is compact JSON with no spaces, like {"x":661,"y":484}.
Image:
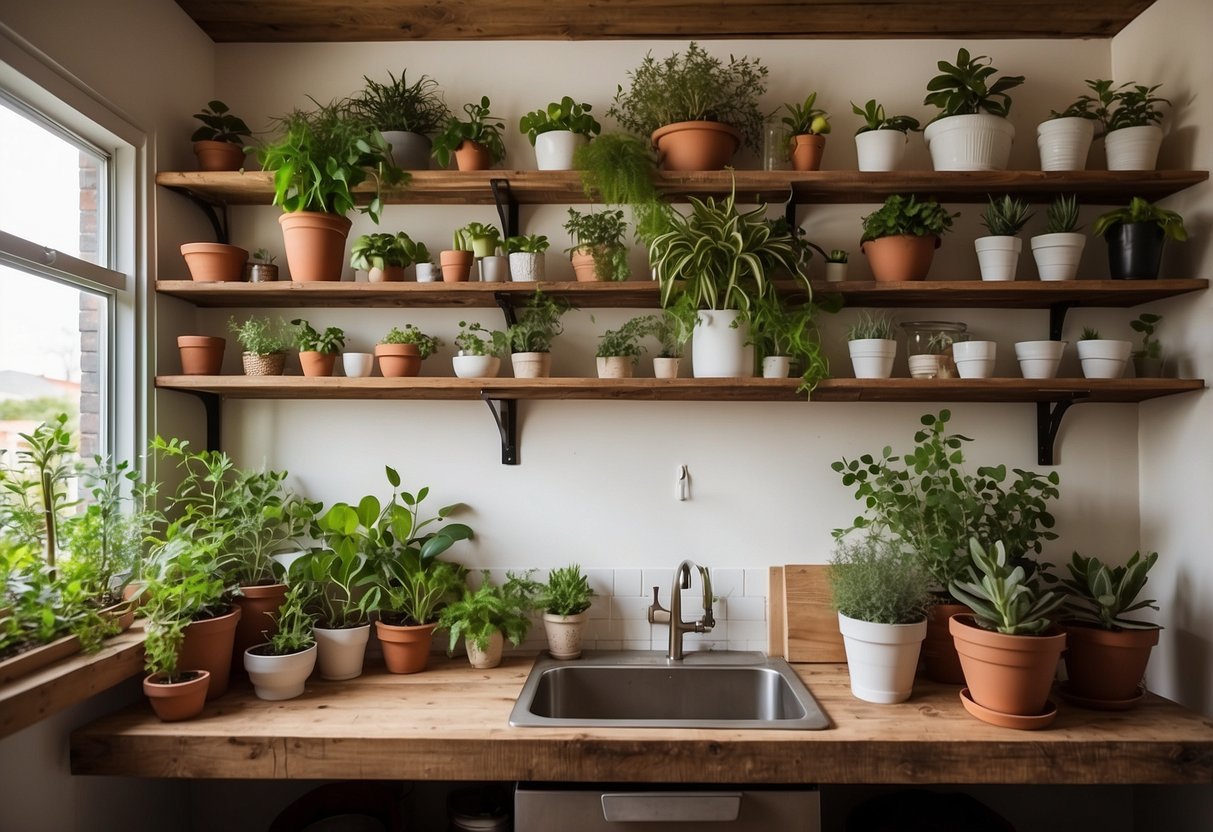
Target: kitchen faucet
{"x":673,"y":616}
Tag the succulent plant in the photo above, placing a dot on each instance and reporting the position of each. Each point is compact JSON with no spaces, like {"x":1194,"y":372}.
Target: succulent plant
{"x":1102,"y":596}
{"x":1001,"y":597}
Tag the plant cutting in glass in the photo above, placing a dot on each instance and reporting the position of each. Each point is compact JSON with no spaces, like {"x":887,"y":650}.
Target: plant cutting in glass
{"x":474,"y":339}
{"x":869,"y":326}
{"x":1002,"y":596}
{"x":1146,"y":324}
{"x":481,"y":127}
{"x":527,"y":244}
{"x":1099,"y":595}
{"x":490,"y":609}
{"x":378,"y":251}
{"x":874,"y":118}
{"x":600,"y":233}
{"x":567,"y":592}
{"x":907,"y":215}
{"x":1061,"y":217}
{"x":804,"y":118}
{"x":398,"y":105}
{"x":564,"y":114}
{"x":625,"y":341}
{"x":874,"y":579}
{"x":1005,"y":217}
{"x":426,"y":345}
{"x":538,"y":323}
{"x":219,"y":124}
{"x":308,"y":339}
{"x":1139,"y":210}
{"x":261,"y":336}
{"x":964,"y":88}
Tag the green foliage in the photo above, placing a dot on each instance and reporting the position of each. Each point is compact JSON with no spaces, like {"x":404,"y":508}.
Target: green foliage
{"x":1136,"y":106}
{"x":1089,"y":334}
{"x":625,"y":341}
{"x":415,"y":251}
{"x":874,"y":118}
{"x":378,"y":251}
{"x":263,"y":256}
{"x":398,"y":105}
{"x":1146,"y":324}
{"x":295,"y":623}
{"x":308,"y":339}
{"x":34,"y":494}
{"x":693,"y":86}
{"x":427,"y":345}
{"x":480,"y":239}
{"x":872,"y":326}
{"x":37,"y":409}
{"x":538,"y":324}
{"x":1001,"y":596}
{"x":474,"y":339}
{"x":1139,"y":210}
{"x":162,"y":648}
{"x":874,"y":579}
{"x":617,"y":169}
{"x":1082,"y":106}
{"x":567,"y":592}
{"x":40,"y":605}
{"x":601,"y":234}
{"x":804,"y":118}
{"x":1005,"y":217}
{"x":481,"y":127}
{"x":907,"y":215}
{"x":564,"y":114}
{"x":527,"y":244}
{"x":779,"y":327}
{"x":184,"y":584}
{"x":1062,"y":215}
{"x":261,"y":336}
{"x":1102,"y":596}
{"x":332,"y":577}
{"x":674,"y":327}
{"x":965,"y":88}
{"x":219,"y":124}
{"x":477,"y":615}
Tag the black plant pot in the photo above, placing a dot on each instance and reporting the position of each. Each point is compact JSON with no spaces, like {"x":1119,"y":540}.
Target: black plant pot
{"x":1135,"y":250}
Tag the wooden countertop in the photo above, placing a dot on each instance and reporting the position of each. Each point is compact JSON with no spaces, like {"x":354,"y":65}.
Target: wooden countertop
{"x":451,"y":723}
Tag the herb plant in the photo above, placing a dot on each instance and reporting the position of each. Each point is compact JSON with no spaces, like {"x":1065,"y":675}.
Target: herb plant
{"x":965,"y":88}
{"x":489,"y":609}
{"x":333,"y":576}
{"x":564,"y":114}
{"x":538,"y":324}
{"x":872,"y":326}
{"x":673,"y":328}
{"x":1146,"y":324}
{"x":1062,"y":215}
{"x":873,"y":579}
{"x":601,"y":233}
{"x":874,"y":118}
{"x":308,"y":339}
{"x":907,"y":215}
{"x":779,"y":327}
{"x":1001,"y":596}
{"x":398,"y":105}
{"x":527,"y":243}
{"x":805,"y":118}
{"x":1136,"y":106}
{"x":219,"y":124}
{"x":625,"y":341}
{"x":474,"y":339}
{"x":162,"y":647}
{"x":426,"y":345}
{"x":617,"y":169}
{"x":295,"y":623}
{"x":1139,"y":210}
{"x":261,"y":336}
{"x":1103,"y":596}
{"x":379,"y":251}
{"x":1005,"y":217}
{"x":567,"y":592}
{"x":481,"y":127}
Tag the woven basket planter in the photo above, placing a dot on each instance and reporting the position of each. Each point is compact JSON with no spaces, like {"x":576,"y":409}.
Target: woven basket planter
{"x":264,"y":365}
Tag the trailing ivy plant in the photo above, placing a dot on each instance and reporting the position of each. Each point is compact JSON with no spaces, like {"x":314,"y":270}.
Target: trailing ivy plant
{"x":965,"y":88}
{"x":779,"y":327}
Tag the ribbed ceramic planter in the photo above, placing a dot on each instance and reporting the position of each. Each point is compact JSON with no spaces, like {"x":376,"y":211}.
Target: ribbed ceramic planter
{"x":340,"y":652}
{"x":214,"y":262}
{"x":179,"y":700}
{"x":554,"y":149}
{"x":315,"y":245}
{"x":974,"y":359}
{"x":719,"y":349}
{"x":880,"y":149}
{"x":527,"y":266}
{"x":1039,"y":359}
{"x":410,"y":151}
{"x":490,"y":656}
{"x":998,"y":257}
{"x":776,"y":366}
{"x":564,"y":633}
{"x":696,"y":145}
{"x":615,"y":366}
{"x":872,"y":357}
{"x":970,"y":142}
{"x":476,"y":366}
{"x":1058,"y":255}
{"x":398,"y":360}
{"x":881,"y":658}
{"x":1064,"y":143}
{"x":531,"y":364}
{"x":276,"y":678}
{"x":1133,"y":148}
{"x":1103,"y":358}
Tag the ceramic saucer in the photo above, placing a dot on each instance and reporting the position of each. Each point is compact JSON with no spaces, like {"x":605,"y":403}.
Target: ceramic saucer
{"x":1064,"y":691}
{"x":1023,"y":723}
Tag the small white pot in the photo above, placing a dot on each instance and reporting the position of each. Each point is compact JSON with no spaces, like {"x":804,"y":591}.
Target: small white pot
{"x":974,"y":359}
{"x":339,"y":653}
{"x":872,"y":357}
{"x":998,"y":257}
{"x":564,"y":633}
{"x":718,"y":349}
{"x":1039,"y":359}
{"x":358,"y":364}
{"x":881,"y":658}
{"x":427,"y":272}
{"x":527,"y":266}
{"x":554,"y":149}
{"x":410,"y":151}
{"x":489,"y":657}
{"x":494,"y":269}
{"x":776,"y":366}
{"x":880,"y":149}
{"x":1133,"y":148}
{"x":927,"y":365}
{"x":476,"y":366}
{"x":1058,"y":255}
{"x":970,"y":142}
{"x":279,"y":677}
{"x":1104,"y":358}
{"x":1065,"y":142}
{"x":531,"y":364}
{"x":615,"y":366}
{"x":666,"y":367}
{"x":837,"y":272}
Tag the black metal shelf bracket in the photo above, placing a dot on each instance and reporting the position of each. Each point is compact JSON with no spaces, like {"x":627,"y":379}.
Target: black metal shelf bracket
{"x":789,"y":208}
{"x":1057,"y":319}
{"x":1048,"y":423}
{"x":212,"y":404}
{"x":507,"y":206}
{"x":507,"y":308}
{"x":216,"y":212}
{"x":505,"y":414}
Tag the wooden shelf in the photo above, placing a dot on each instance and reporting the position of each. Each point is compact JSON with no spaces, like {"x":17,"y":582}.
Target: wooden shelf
{"x":528,"y":187}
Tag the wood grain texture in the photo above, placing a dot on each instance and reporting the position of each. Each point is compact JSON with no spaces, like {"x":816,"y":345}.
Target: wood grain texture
{"x":450,"y":723}
{"x":25,"y":663}
{"x":810,"y":622}
{"x":776,"y":625}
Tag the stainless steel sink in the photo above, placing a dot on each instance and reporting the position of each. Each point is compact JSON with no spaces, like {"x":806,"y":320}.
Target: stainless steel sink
{"x":639,"y":689}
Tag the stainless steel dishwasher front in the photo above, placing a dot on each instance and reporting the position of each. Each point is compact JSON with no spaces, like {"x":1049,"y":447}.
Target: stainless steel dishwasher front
{"x":630,"y":808}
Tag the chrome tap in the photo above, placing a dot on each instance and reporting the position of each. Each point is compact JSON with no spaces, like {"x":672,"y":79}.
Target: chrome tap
{"x":673,"y":616}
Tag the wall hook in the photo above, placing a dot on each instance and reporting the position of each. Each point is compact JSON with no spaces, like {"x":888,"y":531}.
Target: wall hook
{"x":682,"y":488}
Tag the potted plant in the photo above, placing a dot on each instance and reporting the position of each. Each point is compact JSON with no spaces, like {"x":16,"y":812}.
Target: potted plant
{"x":1133,"y":130}
{"x":317,"y":350}
{"x":620,"y":349}
{"x":279,"y":668}
{"x":998,"y":253}
{"x":1059,"y":250}
{"x":406,"y":114}
{"x":332,"y":577}
{"x":836,"y":262}
{"x":175,"y":694}
{"x":261,"y":268}
{"x":264,"y":343}
{"x":420,"y":257}
{"x":881,"y":140}
{"x":617,"y":169}
{"x":784,"y":330}
{"x":476,"y":143}
{"x":972,"y":131}
{"x":872,"y":342}
{"x":357,"y":364}
{"x":880,"y":593}
{"x":530,"y":337}
{"x":473,"y":240}
{"x":317,"y":161}
{"x":1064,"y":139}
{"x":1039,"y":359}
{"x":929,"y":347}
{"x":807,"y":127}
{"x":383,"y":257}
{"x":672,"y":329}
{"x":901,"y":236}
{"x":1102,"y":357}
{"x":1107,"y":653}
{"x":565,"y":600}
{"x":487,"y":616}
{"x":1147,"y":361}
{"x":219,"y":142}
{"x":201,"y":355}
{"x":526,"y":256}
{"x":480,"y":351}
{"x":556,"y":131}
{"x":974,"y":359}
{"x":1009,"y":647}
{"x":1136,"y":236}
{"x":214,"y":262}
{"x":401,"y":351}
{"x":598,"y":251}
{"x":697,"y":109}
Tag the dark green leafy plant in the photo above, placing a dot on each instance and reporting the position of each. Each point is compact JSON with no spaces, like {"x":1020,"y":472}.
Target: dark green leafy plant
{"x":426,"y":345}
{"x":601,"y":233}
{"x":481,"y":127}
{"x":415,"y":251}
{"x":1090,"y":334}
{"x":1001,"y":596}
{"x":874,"y":118}
{"x":564,"y":114}
{"x":219,"y":124}
{"x":1146,"y":324}
{"x":907,"y":215}
{"x":673,"y":328}
{"x":1139,"y":210}
{"x":965,"y":88}
{"x":162,"y":647}
{"x":873,"y":579}
{"x":261,"y":336}
{"x":1005,"y":217}
{"x":398,"y":105}
{"x":567,"y":592}
{"x":474,"y":339}
{"x":805,"y":118}
{"x":1062,"y":215}
{"x":1102,"y":596}
{"x":527,"y":244}
{"x":625,"y":341}
{"x":308,"y":339}
{"x":489,"y":609}
{"x":779,"y":327}
{"x":538,"y":323}
{"x":1091,"y":107}
{"x":1135,"y":106}
{"x":378,"y":251}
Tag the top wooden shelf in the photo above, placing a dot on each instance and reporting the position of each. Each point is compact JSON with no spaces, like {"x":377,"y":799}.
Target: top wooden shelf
{"x":530,"y":187}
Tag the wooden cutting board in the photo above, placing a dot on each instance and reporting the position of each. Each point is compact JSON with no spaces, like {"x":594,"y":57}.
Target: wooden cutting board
{"x":810,"y":623}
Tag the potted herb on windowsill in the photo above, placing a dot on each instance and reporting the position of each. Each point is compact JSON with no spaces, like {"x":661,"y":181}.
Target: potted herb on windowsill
{"x":279,"y":668}
{"x":620,"y":349}
{"x":219,"y":142}
{"x":530,"y":337}
{"x":384,"y":257}
{"x":1136,"y":236}
{"x":317,"y":350}
{"x":264,"y":343}
{"x":872,"y":342}
{"x":598,"y":251}
{"x":557,"y":130}
{"x":565,"y":600}
{"x":401,"y":351}
{"x":332,"y":577}
{"x":486,"y":617}
{"x":480,"y":351}
{"x":527,"y":262}
{"x":972,"y":131}
{"x":807,"y":127}
{"x":998,"y":252}
{"x":475,"y":143}
{"x":406,"y":114}
{"x":900,"y":237}
{"x":1059,"y":250}
{"x":1147,"y":361}
{"x":881,"y":141}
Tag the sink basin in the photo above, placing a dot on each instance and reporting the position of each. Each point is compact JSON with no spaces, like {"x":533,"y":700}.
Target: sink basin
{"x":639,"y":689}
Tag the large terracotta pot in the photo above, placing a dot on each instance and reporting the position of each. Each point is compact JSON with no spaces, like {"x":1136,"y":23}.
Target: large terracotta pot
{"x":456,"y":265}
{"x":806,"y":151}
{"x":258,"y":618}
{"x":177,"y":701}
{"x":584,"y":268}
{"x":315,"y":245}
{"x":1107,"y":665}
{"x":201,"y":355}
{"x":1007,"y":674}
{"x":941,"y":661}
{"x":214,"y":262}
{"x":398,"y":360}
{"x":405,"y":649}
{"x":473,"y":156}
{"x":696,"y":145}
{"x":901,"y":257}
{"x":208,"y":646}
{"x":317,"y":364}
{"x":214,"y":155}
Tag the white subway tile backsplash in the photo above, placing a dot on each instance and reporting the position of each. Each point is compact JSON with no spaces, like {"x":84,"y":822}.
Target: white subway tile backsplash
{"x":600,"y":607}
{"x":657,"y":578}
{"x":757,"y":581}
{"x":747,"y":608}
{"x":635,"y":645}
{"x":747,"y":630}
{"x":629,"y":582}
{"x":602,"y":581}
{"x":630,"y":608}
{"x":609,"y":644}
{"x":631,"y":629}
{"x":728,"y":582}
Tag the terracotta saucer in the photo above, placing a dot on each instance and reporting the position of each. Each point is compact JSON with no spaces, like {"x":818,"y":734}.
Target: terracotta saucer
{"x":1063,"y":690}
{"x":1023,"y":723}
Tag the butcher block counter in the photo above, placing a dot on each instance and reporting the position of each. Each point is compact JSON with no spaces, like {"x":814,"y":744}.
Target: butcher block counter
{"x":451,"y":723}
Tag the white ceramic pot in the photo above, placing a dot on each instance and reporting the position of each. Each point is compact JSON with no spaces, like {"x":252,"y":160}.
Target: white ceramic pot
{"x":490,"y":656}
{"x":527,"y":266}
{"x":1104,"y":358}
{"x":927,"y":365}
{"x":970,"y":142}
{"x":974,"y":359}
{"x":564,"y":633}
{"x":718,"y":349}
{"x":666,"y":367}
{"x":476,"y":366}
{"x":776,"y":366}
{"x":1133,"y":148}
{"x":495,"y":268}
{"x":427,"y":272}
{"x":554,"y":149}
{"x":1065,"y":142}
{"x":410,"y":151}
{"x":339,"y":653}
{"x":880,"y":149}
{"x":837,"y":272}
{"x":1058,"y":255}
{"x":615,"y":366}
{"x":358,"y":364}
{"x":881,"y":658}
{"x":279,"y":677}
{"x":872,"y":357}
{"x":1039,"y":359}
{"x":998,"y":257}
{"x":531,"y":364}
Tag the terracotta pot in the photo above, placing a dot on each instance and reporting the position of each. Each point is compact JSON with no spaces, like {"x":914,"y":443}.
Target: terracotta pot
{"x":1007,"y":674}
{"x":180,"y":700}
{"x":201,"y":355}
{"x":258,"y":620}
{"x":806,"y":151}
{"x":456,"y":265}
{"x":696,"y":145}
{"x":388,"y":274}
{"x":584,"y":268}
{"x":941,"y":661}
{"x":405,"y":649}
{"x":214,"y":155}
{"x":271,"y":364}
{"x":398,"y":360}
{"x":490,"y":656}
{"x":1107,"y":665}
{"x":214,"y":262}
{"x":899,"y":258}
{"x":473,"y":156}
{"x":261,"y":273}
{"x":315,"y":245}
{"x":208,"y":646}
{"x":317,"y":364}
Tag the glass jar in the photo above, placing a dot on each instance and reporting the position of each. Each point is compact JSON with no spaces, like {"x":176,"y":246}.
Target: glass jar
{"x":929,"y":347}
{"x":775,"y":146}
